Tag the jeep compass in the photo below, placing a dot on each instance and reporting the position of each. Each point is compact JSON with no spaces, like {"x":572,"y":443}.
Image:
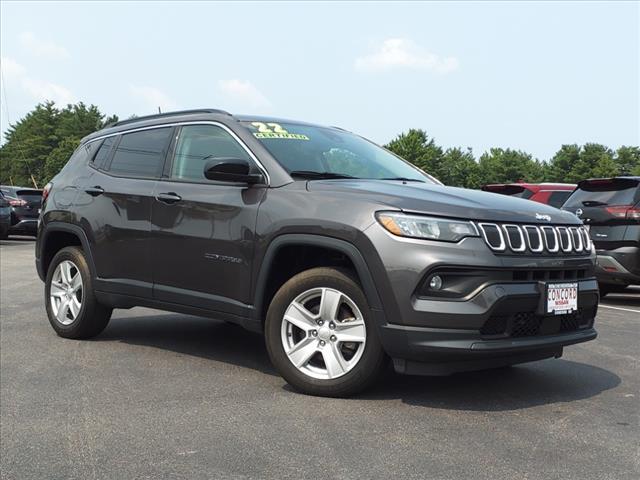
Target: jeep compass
{"x":342,"y":254}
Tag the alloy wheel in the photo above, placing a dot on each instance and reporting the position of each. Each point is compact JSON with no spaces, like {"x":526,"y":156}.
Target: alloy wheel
{"x":65,"y":292}
{"x":323,"y":333}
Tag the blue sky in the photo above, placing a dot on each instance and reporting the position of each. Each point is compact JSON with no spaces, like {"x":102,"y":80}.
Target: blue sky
{"x":525,"y":75}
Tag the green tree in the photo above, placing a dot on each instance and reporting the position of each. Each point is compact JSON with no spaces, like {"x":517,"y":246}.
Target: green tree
{"x":507,"y":166}
{"x":628,"y":160}
{"x":560,"y":165}
{"x":59,"y":156}
{"x":458,"y":168}
{"x":416,"y":147}
{"x":45,"y":131}
{"x":595,"y":159}
{"x":28,"y":143}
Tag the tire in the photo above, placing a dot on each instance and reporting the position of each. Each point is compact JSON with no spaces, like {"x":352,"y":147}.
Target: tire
{"x":327,"y":365}
{"x":90,"y":317}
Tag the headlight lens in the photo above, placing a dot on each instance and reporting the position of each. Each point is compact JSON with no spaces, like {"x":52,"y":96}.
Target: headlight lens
{"x":431,"y":228}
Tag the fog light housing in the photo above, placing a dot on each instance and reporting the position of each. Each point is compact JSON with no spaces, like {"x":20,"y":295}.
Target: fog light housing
{"x":435,"y":283}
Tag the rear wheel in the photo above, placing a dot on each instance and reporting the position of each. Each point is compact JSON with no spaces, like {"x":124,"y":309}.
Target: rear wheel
{"x":72,"y":308}
{"x":320,"y":335}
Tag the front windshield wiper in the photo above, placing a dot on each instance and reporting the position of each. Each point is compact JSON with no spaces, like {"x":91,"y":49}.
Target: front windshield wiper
{"x":404,"y":179}
{"x":594,"y":203}
{"x":310,"y":174}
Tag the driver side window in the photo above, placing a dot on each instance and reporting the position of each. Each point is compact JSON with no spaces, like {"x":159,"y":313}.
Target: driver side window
{"x":197,"y":145}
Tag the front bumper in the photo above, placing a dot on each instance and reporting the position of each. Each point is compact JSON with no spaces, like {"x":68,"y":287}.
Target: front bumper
{"x":500,"y":321}
{"x":426,"y":351}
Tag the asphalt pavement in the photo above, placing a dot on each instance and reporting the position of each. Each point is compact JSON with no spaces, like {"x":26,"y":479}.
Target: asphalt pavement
{"x":161,"y":395}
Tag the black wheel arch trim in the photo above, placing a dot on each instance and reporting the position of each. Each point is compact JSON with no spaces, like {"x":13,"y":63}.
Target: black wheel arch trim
{"x":52,"y":227}
{"x":350,"y":250}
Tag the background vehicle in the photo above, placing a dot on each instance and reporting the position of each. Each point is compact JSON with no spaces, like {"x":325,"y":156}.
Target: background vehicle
{"x":554,"y":194}
{"x":25,"y":208}
{"x":340,"y":252}
{"x":5,"y":216}
{"x":611,"y":209}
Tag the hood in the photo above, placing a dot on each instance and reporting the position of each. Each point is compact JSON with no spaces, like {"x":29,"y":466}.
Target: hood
{"x":446,"y":201}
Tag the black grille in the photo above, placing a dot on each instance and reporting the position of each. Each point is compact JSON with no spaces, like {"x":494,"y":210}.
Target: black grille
{"x":525,"y":324}
{"x":496,"y":325}
{"x":528,"y":324}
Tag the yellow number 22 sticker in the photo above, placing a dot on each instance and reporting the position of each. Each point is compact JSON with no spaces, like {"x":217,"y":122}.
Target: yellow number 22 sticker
{"x":275,"y":130}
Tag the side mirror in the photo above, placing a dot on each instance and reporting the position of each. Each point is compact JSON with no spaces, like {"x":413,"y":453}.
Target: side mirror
{"x":228,"y":169}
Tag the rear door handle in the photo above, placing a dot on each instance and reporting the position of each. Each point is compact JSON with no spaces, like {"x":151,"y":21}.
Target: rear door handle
{"x":169,"y":197}
{"x":95,"y":191}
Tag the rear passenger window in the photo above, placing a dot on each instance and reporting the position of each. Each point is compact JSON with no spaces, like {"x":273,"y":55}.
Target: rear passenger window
{"x":557,"y":199}
{"x":198,"y":144}
{"x":141,"y":154}
{"x":103,"y":152}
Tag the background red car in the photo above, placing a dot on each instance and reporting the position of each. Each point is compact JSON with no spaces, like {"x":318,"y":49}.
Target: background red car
{"x":554,"y":194}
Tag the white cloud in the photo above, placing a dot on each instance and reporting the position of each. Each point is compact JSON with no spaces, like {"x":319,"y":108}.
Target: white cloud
{"x":244,"y":93}
{"x":40,"y":90}
{"x":153,"y":97}
{"x":11,"y":68}
{"x":404,"y":53}
{"x":43,"y":48}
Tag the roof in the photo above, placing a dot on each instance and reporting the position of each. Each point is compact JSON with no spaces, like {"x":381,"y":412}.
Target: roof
{"x":185,"y":115}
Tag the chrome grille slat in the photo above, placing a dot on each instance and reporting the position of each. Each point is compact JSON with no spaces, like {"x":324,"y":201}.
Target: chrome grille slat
{"x":569,"y":246}
{"x":556,"y":241}
{"x":537,"y":239}
{"x":501,"y":247}
{"x":540,"y":247}
{"x":576,"y":238}
{"x":523,"y":245}
{"x":587,"y":238}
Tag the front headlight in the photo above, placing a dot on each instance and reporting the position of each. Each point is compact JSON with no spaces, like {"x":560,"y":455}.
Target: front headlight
{"x":430,"y":228}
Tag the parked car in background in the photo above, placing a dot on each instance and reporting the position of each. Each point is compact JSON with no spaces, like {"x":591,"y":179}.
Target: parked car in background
{"x":5,"y":216}
{"x":611,"y":209}
{"x":554,"y":194}
{"x":25,"y":208}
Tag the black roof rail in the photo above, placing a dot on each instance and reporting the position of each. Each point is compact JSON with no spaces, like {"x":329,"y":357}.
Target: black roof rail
{"x":167,"y":114}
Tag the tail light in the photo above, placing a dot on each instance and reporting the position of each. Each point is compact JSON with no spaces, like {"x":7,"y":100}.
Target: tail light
{"x":46,"y":190}
{"x":624,"y":211}
{"x":18,"y":202}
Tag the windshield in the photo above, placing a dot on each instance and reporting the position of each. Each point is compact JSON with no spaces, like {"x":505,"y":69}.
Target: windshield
{"x":317,"y":152}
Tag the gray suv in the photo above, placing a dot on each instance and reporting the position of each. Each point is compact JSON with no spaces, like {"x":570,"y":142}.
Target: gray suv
{"x":341,"y":253}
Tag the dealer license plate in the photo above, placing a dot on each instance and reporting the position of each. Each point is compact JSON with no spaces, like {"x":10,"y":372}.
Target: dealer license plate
{"x":562,"y":298}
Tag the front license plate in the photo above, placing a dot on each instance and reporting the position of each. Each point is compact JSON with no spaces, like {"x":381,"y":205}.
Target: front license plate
{"x":562,"y":298}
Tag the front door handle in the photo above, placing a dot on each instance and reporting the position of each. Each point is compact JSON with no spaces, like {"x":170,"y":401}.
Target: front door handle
{"x":95,"y":191}
{"x":169,"y":197}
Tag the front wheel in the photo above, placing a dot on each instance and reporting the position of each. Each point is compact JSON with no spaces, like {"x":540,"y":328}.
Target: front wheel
{"x":72,"y":308}
{"x":320,"y":334}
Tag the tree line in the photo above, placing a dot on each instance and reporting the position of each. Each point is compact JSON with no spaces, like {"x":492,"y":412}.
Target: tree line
{"x":38,"y":146}
{"x":458,"y":167}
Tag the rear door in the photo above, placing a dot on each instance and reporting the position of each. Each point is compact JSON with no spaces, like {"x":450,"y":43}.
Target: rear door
{"x":115,"y":206}
{"x":204,"y":231}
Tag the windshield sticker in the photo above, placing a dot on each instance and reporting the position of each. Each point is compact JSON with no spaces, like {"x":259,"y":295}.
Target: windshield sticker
{"x":275,"y":130}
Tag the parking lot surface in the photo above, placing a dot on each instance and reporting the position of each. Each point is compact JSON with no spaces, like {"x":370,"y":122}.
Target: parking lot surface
{"x":160,"y":395}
